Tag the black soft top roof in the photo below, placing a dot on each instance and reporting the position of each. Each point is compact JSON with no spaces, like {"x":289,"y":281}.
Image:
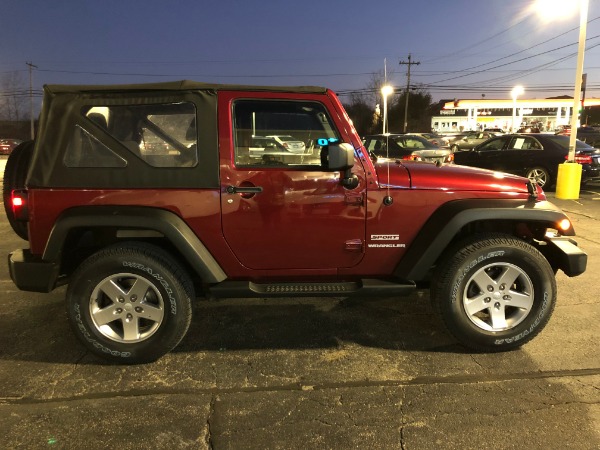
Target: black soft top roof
{"x":183,"y":85}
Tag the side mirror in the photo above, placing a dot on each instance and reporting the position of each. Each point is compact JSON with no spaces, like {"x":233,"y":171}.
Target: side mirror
{"x":341,"y":157}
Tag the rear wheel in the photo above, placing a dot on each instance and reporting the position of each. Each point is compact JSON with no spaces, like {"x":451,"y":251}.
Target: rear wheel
{"x":495,"y":292}
{"x":130,"y":303}
{"x":540,"y":176}
{"x":15,"y":174}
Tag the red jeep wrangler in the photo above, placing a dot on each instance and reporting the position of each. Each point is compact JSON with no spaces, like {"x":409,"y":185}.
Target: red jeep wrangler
{"x":144,"y":197}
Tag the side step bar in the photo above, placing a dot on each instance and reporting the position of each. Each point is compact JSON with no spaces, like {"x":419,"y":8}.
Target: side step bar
{"x":363,"y":288}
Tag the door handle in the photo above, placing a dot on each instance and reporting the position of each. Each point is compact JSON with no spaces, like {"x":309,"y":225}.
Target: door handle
{"x":244,"y":189}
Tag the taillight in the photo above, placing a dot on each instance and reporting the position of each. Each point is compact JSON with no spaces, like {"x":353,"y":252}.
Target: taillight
{"x":20,"y":205}
{"x":582,"y":159}
{"x":411,"y":158}
{"x":450,"y":158}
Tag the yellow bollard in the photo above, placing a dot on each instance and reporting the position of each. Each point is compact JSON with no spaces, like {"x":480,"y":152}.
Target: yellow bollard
{"x":568,"y":181}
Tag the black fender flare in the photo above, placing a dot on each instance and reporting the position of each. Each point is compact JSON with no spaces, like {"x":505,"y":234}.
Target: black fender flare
{"x":450,"y":218}
{"x":162,"y":221}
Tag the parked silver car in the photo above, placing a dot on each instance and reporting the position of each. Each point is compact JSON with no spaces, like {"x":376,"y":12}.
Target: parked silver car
{"x":406,"y":147}
{"x":290,"y":143}
{"x":435,"y":139}
{"x":470,"y":140}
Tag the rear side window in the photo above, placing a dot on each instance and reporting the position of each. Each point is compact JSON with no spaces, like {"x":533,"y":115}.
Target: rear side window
{"x":281,"y":133}
{"x":524,"y":143}
{"x":161,"y":135}
{"x":85,"y":150}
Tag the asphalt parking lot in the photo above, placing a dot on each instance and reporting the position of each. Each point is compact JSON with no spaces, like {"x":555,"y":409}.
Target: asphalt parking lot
{"x":308,"y":373}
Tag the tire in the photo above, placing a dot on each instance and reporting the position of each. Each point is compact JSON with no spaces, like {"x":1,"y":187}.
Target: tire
{"x":15,"y":174}
{"x":495,"y":292}
{"x":130,"y":303}
{"x":541,"y":176}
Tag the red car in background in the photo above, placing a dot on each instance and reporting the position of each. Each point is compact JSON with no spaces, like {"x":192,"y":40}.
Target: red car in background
{"x":7,"y":145}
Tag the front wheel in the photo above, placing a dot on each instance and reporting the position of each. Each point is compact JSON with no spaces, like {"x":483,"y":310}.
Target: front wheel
{"x":540,"y":176}
{"x":495,"y":292}
{"x":130,"y":303}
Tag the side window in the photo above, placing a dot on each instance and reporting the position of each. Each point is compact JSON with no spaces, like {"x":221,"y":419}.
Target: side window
{"x":524,"y":143}
{"x":495,"y":144}
{"x":84,"y":150}
{"x":162,"y":135}
{"x":376,"y":146}
{"x":282,"y":133}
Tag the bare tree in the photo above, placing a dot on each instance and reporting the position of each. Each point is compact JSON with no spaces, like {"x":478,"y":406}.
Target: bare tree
{"x":13,"y":97}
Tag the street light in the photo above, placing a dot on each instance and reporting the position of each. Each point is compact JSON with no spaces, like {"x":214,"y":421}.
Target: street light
{"x":569,"y":174}
{"x":517,"y":90}
{"x":386,"y":91}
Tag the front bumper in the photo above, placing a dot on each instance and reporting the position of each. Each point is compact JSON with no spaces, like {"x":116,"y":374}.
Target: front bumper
{"x":30,"y":273}
{"x":567,"y":256}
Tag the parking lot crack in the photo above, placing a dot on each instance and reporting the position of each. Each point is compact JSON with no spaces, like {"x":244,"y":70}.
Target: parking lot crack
{"x":418,"y":381}
{"x":587,"y":239}
{"x":209,"y":420}
{"x":477,"y":362}
{"x":402,"y":420}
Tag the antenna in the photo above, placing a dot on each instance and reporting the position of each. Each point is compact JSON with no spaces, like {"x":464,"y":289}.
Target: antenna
{"x":386,"y":91}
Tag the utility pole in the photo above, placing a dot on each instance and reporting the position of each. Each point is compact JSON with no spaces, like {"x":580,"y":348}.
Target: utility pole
{"x":408,"y":63}
{"x":31,"y":67}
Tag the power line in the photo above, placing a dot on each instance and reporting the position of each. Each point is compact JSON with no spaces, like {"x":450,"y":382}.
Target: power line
{"x":524,"y":50}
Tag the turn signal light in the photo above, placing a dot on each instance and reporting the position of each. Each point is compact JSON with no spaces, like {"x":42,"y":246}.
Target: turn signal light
{"x":564,"y":224}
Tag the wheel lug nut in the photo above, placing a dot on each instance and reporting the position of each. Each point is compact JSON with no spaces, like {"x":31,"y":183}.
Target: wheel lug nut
{"x":490,"y":289}
{"x":497,"y":305}
{"x":121,"y":300}
{"x":119,"y":310}
{"x":138,"y":309}
{"x":502,"y":287}
{"x":506,"y":297}
{"x":133,"y":298}
{"x":487,"y":299}
{"x":129,"y":317}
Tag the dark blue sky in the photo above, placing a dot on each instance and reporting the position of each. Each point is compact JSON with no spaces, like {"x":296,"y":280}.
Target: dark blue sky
{"x":464,"y":46}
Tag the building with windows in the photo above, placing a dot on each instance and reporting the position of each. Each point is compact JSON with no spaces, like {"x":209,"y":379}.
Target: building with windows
{"x":545,"y":114}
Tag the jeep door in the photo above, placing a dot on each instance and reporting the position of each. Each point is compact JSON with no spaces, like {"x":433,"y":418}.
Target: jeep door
{"x":284,"y":210}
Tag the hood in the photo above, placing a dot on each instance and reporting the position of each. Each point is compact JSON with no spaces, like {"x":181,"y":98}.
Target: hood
{"x":449,"y":177}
